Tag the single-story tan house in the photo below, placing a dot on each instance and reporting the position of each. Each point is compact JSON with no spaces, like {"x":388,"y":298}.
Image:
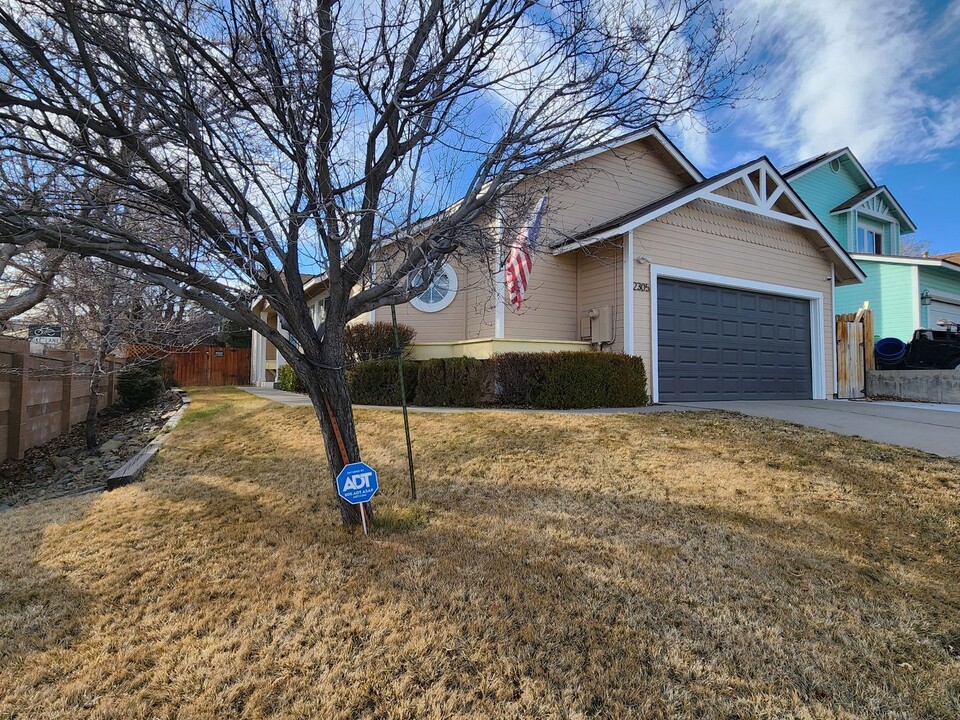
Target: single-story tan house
{"x":723,"y":285}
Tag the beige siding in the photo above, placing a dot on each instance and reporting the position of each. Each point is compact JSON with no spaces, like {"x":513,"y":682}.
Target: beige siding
{"x":606,"y":186}
{"x":709,"y":238}
{"x":480,"y":305}
{"x":594,"y":191}
{"x":549,"y":311}
{"x":601,"y":283}
{"x":447,"y":325}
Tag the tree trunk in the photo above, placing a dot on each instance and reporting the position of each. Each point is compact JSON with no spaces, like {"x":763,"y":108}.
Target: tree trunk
{"x":330,"y":396}
{"x":90,"y":425}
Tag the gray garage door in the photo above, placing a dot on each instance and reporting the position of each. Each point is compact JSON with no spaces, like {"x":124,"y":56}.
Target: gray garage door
{"x":719,"y":343}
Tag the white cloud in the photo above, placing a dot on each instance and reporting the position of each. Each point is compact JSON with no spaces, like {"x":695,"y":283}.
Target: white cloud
{"x":852,"y":73}
{"x":694,"y":140}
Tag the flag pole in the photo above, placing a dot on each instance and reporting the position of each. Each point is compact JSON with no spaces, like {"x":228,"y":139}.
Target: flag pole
{"x":403,"y":403}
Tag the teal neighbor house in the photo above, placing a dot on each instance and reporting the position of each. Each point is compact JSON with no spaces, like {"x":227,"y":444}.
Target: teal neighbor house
{"x":905,"y":293}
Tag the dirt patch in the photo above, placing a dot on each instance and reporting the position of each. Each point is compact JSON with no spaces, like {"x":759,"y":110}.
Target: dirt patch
{"x":64,"y":466}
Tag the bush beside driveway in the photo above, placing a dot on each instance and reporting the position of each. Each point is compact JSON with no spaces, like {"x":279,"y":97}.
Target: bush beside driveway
{"x":660,"y":565}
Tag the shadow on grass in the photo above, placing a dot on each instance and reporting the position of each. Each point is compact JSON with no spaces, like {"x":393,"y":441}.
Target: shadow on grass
{"x":41,"y":609}
{"x":667,"y":608}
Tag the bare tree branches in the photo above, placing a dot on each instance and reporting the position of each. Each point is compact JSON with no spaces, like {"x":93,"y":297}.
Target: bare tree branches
{"x":289,"y":138}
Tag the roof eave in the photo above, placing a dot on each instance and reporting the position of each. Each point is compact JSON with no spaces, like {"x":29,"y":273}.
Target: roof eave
{"x":684,"y":197}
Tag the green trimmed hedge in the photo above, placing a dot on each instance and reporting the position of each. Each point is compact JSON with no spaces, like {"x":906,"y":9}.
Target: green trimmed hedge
{"x":551,"y":381}
{"x":567,"y":380}
{"x":377,"y":382}
{"x":288,"y":380}
{"x":451,"y":382}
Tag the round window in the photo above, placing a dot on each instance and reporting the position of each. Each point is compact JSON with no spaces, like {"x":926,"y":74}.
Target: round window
{"x":439,"y":293}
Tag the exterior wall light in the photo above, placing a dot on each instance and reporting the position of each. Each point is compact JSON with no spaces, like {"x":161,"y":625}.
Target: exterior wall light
{"x":925,"y":298}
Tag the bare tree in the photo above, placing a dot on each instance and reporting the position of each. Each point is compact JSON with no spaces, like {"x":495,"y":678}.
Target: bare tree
{"x":27,"y":275}
{"x":912,"y":246}
{"x":310,"y":137}
{"x":104,"y":308}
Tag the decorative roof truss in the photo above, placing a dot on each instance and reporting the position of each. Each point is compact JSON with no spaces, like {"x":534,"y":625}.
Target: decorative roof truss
{"x":766,"y":195}
{"x":877,"y":205}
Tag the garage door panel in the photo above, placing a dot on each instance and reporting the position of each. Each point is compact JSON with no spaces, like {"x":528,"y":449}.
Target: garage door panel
{"x":940,"y":310}
{"x":725,"y":344}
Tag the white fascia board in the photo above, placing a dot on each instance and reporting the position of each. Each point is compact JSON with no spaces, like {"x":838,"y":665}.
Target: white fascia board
{"x":675,"y":153}
{"x":863,"y":171}
{"x":829,"y":158}
{"x":808,"y":221}
{"x":898,"y":260}
{"x":652,"y":131}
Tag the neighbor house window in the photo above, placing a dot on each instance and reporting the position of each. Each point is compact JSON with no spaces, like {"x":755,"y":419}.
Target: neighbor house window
{"x":439,"y":293}
{"x":869,"y":241}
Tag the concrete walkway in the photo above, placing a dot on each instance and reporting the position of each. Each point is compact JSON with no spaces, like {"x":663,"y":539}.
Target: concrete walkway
{"x":296,"y":400}
{"x":931,"y":428}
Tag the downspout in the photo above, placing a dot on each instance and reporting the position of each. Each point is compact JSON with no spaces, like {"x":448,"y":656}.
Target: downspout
{"x":833,"y":328}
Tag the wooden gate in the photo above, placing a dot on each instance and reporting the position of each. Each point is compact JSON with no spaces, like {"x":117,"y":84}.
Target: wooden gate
{"x":201,"y":364}
{"x":209,"y":365}
{"x":854,"y":334}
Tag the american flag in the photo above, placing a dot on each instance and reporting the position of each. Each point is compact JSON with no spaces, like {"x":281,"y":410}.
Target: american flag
{"x":520,"y":258}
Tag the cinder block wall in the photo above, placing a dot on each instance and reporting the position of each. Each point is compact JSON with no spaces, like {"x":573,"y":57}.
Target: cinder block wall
{"x":43,"y":396}
{"x":938,"y":386}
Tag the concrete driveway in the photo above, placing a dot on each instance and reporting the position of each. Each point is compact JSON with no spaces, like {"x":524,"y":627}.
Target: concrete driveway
{"x":932,"y":428}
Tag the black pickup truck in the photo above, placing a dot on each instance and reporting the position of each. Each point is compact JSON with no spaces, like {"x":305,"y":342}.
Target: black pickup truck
{"x":938,"y":349}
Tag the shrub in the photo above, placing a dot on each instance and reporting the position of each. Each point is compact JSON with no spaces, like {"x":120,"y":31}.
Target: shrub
{"x":287,"y":380}
{"x":517,"y":376}
{"x":567,"y":380}
{"x":364,"y":341}
{"x":377,"y":382}
{"x":451,"y":382}
{"x":141,"y":384}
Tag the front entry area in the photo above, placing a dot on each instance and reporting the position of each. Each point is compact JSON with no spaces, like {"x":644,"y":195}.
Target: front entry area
{"x":722,"y":343}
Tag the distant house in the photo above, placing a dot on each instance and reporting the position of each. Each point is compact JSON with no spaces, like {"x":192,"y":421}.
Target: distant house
{"x":723,"y":285}
{"x":905,"y":293}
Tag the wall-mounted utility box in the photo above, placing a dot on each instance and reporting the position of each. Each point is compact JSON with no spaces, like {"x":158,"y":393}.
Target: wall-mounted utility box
{"x":601,"y":325}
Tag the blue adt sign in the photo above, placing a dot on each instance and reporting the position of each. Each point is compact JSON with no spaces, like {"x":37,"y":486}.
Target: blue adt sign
{"x":357,"y":483}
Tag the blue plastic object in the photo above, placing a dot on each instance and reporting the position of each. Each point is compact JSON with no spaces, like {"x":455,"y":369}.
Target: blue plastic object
{"x":890,"y":352}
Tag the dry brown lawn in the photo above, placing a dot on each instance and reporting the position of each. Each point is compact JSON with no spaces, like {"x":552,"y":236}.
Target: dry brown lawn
{"x":556,"y":566}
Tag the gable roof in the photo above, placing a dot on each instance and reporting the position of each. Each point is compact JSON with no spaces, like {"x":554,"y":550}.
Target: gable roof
{"x":953,"y":257}
{"x":616,"y":225}
{"x":799,"y":168}
{"x":870,"y":193}
{"x":704,"y":190}
{"x":856,"y":200}
{"x":574,"y":156}
{"x":802,"y":168}
{"x":652,"y":131}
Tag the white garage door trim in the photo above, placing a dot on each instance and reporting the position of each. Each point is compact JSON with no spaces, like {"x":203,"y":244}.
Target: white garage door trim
{"x":817,"y":345}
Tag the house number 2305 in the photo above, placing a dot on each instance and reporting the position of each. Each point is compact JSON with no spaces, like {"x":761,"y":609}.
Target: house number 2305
{"x":641,"y":287}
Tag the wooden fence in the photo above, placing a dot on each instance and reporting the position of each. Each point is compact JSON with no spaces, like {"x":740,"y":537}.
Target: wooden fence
{"x":200,"y":365}
{"x":854,"y":352}
{"x":43,"y":396}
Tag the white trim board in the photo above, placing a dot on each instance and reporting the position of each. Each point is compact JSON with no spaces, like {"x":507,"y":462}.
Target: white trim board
{"x":628,"y":296}
{"x":817,"y":341}
{"x":901,"y":260}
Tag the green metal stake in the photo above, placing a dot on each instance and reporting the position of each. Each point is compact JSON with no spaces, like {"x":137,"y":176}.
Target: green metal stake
{"x":403,"y":403}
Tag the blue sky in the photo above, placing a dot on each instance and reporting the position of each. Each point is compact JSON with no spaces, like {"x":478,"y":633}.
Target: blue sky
{"x":879,"y":76}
